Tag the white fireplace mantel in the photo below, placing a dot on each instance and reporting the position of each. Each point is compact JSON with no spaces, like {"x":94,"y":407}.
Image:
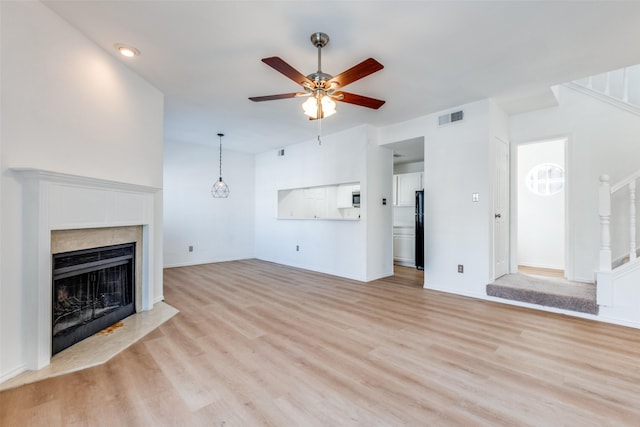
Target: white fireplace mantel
{"x":58,"y":201}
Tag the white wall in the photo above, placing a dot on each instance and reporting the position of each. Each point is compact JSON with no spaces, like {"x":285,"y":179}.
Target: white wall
{"x":408,"y":167}
{"x":67,"y":106}
{"x":379,"y":216}
{"x":218,"y":229}
{"x":540,"y":217}
{"x":330,"y":246}
{"x":602,"y":139}
{"x":457,"y":230}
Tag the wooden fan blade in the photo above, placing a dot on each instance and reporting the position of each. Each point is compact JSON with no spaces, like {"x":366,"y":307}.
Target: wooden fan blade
{"x":273,"y":97}
{"x":363,"y":101}
{"x":363,"y":69}
{"x":280,"y":65}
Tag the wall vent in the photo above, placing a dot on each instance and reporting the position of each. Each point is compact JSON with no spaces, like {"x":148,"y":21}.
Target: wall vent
{"x":450,"y":118}
{"x":281,"y":152}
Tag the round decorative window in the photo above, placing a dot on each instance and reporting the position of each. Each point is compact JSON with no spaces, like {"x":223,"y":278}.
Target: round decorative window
{"x":545,"y":179}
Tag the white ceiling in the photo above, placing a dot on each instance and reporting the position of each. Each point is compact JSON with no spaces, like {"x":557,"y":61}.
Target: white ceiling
{"x":205,"y":57}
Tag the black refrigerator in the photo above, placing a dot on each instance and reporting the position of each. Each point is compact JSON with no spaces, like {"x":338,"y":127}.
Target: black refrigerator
{"x":419,"y":229}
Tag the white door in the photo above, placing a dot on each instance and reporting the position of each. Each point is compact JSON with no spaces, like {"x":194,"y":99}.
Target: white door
{"x":501,"y":208}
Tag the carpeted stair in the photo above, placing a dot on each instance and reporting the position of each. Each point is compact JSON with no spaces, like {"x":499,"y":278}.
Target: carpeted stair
{"x":546,"y":291}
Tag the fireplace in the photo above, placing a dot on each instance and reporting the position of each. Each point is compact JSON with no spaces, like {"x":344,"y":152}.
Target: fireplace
{"x":92,"y":289}
{"x":64,"y":213}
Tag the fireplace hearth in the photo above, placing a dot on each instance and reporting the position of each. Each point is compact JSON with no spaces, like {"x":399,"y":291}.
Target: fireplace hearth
{"x":92,"y":289}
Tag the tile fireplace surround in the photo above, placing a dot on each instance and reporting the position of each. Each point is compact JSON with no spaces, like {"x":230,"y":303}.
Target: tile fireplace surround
{"x":91,"y":209}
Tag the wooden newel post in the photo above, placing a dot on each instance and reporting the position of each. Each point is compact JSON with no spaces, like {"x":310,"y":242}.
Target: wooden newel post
{"x":604,"y":210}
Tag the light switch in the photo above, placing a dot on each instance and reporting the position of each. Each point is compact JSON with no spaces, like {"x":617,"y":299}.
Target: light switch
{"x":475,"y":197}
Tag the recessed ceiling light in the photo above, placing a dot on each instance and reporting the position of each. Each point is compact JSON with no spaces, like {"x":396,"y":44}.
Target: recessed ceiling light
{"x":128,"y":51}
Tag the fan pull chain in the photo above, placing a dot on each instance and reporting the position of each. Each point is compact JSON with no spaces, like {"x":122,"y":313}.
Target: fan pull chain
{"x":319,"y":131}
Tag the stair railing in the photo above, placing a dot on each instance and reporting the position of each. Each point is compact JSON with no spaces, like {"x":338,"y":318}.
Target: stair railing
{"x":607,"y":84}
{"x":604,"y":207}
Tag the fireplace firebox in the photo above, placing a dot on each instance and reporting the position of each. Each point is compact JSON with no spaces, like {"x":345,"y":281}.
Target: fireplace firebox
{"x":92,"y":289}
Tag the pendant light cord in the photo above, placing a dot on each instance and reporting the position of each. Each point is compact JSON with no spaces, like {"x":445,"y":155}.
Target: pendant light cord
{"x":220,"y":135}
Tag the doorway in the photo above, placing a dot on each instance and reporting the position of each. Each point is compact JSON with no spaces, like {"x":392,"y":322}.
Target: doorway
{"x":541,"y":207}
{"x":408,"y":177}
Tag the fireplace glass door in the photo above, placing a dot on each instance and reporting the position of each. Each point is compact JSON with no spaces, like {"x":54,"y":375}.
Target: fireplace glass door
{"x":92,"y":289}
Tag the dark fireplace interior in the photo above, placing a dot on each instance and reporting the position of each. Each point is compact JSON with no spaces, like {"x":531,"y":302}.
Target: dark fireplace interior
{"x":92,"y":289}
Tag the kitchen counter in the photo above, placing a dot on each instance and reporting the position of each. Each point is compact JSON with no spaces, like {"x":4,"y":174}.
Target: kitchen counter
{"x":320,"y":219}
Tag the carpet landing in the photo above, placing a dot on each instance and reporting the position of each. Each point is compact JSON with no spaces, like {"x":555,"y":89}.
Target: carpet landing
{"x":547,"y":291}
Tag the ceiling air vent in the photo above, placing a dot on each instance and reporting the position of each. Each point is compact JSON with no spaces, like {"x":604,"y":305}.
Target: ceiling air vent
{"x":450,"y":118}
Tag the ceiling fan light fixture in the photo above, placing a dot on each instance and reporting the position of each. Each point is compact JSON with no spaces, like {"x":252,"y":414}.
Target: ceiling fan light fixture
{"x":319,"y":110}
{"x":328,"y":106}
{"x":322,"y":88}
{"x":310,"y":107}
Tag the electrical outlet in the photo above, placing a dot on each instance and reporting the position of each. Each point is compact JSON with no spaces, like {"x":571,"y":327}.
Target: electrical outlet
{"x":460,"y":268}
{"x":190,"y":248}
{"x":297,"y":248}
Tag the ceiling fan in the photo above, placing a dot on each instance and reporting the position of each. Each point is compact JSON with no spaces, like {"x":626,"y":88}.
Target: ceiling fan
{"x":322,"y":88}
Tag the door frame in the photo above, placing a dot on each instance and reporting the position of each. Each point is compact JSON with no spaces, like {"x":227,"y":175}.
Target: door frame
{"x":506,"y":210}
{"x":568,"y":225}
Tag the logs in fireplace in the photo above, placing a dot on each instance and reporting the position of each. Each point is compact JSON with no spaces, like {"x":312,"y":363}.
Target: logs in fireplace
{"x":92,"y":289}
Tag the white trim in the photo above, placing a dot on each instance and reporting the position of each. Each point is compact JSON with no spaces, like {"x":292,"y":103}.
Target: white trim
{"x":597,"y":318}
{"x":569,"y":255}
{"x":625,"y":182}
{"x":84,"y":181}
{"x":58,"y":201}
{"x":604,"y":98}
{"x":204,"y":261}
{"x":12,"y":373}
{"x":569,"y":248}
{"x":549,"y":267}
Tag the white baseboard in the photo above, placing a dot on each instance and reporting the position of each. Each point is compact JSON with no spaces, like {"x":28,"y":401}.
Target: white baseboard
{"x":404,"y":263}
{"x":12,"y":373}
{"x":316,"y":269}
{"x":201,"y":261}
{"x":598,"y":318}
{"x":546,"y":266}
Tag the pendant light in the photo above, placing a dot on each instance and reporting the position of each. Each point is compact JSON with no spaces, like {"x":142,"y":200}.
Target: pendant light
{"x":220,"y":189}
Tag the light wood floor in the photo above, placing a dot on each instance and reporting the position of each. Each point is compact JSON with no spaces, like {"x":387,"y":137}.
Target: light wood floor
{"x":539,"y":271}
{"x":259,"y":344}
